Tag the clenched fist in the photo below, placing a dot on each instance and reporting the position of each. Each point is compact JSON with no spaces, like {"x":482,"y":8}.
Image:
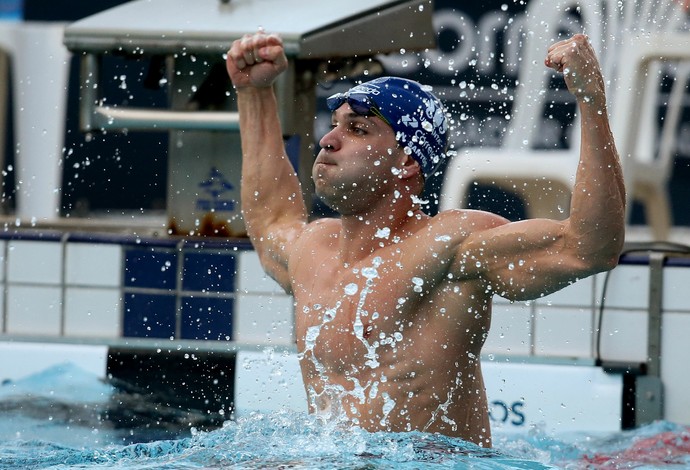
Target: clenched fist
{"x":576,"y":60}
{"x":256,"y":60}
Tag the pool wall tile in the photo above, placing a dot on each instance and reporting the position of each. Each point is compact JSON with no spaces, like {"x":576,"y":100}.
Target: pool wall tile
{"x":92,"y":312}
{"x":676,"y":296}
{"x":675,"y":351}
{"x":93,"y":264}
{"x":208,"y":272}
{"x":150,"y":268}
{"x":34,"y":310}
{"x":264,"y":319}
{"x":624,"y":335}
{"x":510,"y":332}
{"x":3,"y":248}
{"x":563,"y":331}
{"x":628,"y":287}
{"x":34,"y":262}
{"x":578,"y":294}
{"x":251,"y":277}
{"x":206,"y":318}
{"x":149,"y":315}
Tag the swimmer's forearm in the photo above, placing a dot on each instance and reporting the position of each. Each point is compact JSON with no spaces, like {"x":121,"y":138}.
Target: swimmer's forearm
{"x":597,"y":214}
{"x":270,"y":187}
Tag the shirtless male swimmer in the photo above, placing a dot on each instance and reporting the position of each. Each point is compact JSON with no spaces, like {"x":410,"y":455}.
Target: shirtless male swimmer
{"x":392,"y":306}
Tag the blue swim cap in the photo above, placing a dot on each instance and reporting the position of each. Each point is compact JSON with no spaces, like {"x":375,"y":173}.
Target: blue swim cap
{"x":415,"y":114}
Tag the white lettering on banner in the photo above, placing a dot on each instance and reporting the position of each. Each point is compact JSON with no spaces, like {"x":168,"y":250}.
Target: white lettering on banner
{"x":489,"y":25}
{"x":512,"y":43}
{"x":461,"y":54}
{"x":475,"y":45}
{"x":491,"y":47}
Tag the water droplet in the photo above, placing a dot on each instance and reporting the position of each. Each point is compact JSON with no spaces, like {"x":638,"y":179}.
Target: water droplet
{"x":384,"y":232}
{"x":351,"y":289}
{"x":370,"y":273}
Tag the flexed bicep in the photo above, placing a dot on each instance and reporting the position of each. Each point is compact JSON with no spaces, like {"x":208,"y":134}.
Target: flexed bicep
{"x":522,"y":260}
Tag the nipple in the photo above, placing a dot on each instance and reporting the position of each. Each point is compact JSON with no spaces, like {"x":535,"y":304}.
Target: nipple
{"x":368,"y":329}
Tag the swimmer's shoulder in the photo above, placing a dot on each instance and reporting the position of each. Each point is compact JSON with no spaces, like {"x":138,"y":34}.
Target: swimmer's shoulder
{"x":464,"y":222}
{"x":320,"y":229}
{"x":325,"y":225}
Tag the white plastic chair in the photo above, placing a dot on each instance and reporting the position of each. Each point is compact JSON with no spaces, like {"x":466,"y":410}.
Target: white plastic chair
{"x":544,"y":178}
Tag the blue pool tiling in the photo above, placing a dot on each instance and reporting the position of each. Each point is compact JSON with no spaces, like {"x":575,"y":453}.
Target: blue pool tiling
{"x":206,"y":318}
{"x":181,"y":293}
{"x":149,"y":316}
{"x":150,"y":268}
{"x":208,"y":272}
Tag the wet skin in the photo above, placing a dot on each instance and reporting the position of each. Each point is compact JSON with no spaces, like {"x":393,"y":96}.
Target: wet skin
{"x":393,"y":342}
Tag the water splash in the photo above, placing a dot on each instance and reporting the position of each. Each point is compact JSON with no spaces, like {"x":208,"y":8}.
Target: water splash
{"x":276,"y":440}
{"x":287,"y":439}
{"x":442,"y":410}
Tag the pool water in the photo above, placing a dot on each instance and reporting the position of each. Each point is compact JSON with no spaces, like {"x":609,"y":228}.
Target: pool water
{"x":63,"y":418}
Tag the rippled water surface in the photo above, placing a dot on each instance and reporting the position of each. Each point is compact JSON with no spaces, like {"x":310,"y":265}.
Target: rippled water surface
{"x":63,"y":418}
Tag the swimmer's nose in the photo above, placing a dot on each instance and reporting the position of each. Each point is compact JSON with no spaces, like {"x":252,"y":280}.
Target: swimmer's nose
{"x":330,"y":141}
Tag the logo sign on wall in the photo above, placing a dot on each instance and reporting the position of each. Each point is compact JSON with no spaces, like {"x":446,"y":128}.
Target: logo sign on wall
{"x":215,"y":193}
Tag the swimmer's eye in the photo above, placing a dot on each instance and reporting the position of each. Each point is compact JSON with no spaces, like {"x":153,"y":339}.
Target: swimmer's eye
{"x":356,"y":128}
{"x":359,"y":130}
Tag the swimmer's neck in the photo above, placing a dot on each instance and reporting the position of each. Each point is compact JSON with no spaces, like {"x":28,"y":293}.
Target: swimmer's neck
{"x":362,"y":235}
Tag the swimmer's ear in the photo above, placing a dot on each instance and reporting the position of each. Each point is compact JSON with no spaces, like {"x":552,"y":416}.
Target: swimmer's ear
{"x":409,"y":168}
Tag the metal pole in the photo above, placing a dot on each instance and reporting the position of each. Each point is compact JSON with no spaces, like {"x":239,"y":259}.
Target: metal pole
{"x":656,"y":284}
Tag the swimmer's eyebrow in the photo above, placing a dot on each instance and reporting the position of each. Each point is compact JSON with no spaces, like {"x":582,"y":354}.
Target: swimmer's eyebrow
{"x":351,"y":116}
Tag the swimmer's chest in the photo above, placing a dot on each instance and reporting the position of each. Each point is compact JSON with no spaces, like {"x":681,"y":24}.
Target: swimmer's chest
{"x":349,"y":306}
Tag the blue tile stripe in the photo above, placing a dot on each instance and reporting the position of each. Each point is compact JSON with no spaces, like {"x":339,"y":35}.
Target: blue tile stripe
{"x":181,"y":293}
{"x":179,"y":288}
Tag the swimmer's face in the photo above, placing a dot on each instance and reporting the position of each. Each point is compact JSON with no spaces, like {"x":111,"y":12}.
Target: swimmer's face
{"x":358,"y":154}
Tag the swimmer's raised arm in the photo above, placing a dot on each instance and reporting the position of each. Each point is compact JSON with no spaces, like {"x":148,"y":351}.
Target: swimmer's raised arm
{"x":526,"y":259}
{"x":272,"y":204}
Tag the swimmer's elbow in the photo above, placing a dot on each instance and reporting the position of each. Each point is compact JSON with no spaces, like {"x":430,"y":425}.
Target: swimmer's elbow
{"x":593,"y":252}
{"x":598,"y":261}
{"x":611,"y":261}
